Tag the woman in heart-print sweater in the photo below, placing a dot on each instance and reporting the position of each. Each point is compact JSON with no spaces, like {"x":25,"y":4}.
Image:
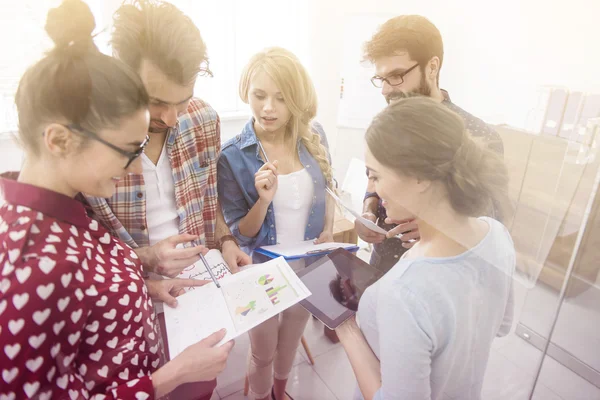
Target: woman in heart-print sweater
{"x":76,"y":316}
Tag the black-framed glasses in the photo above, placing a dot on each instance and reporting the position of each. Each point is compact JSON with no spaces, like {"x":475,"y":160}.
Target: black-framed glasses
{"x":131,"y":155}
{"x":394,"y":79}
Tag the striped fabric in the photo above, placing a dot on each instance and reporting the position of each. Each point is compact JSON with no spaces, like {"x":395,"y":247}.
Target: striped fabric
{"x":193,"y":147}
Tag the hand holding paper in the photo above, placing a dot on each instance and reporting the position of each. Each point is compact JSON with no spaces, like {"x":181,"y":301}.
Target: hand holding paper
{"x":369,"y":224}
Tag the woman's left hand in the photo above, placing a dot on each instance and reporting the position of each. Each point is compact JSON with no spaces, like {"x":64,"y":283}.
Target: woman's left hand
{"x":324,"y":237}
{"x":348,"y":327}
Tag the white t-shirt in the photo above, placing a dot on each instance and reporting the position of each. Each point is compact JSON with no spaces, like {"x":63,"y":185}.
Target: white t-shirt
{"x":292,"y":203}
{"x":162,"y":219}
{"x":431,"y":321}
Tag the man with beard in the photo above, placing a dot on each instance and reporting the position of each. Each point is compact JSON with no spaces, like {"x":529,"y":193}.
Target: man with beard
{"x":408,"y":52}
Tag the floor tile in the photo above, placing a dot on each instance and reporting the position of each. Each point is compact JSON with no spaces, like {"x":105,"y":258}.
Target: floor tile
{"x":305,"y":384}
{"x":504,"y":380}
{"x":236,"y":396}
{"x":522,"y":353}
{"x":317,"y":342}
{"x":335,"y":370}
{"x":566,"y":383}
{"x":543,"y":393}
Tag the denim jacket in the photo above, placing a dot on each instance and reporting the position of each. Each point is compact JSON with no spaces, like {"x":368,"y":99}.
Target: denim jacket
{"x":239,"y":161}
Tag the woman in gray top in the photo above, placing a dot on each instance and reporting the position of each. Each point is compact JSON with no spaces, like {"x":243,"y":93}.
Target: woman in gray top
{"x":427,"y":326}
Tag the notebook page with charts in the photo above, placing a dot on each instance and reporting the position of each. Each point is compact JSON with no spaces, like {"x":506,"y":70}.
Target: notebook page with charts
{"x":244,"y":301}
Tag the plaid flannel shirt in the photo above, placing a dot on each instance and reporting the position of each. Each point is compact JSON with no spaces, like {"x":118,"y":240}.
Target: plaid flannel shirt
{"x":193,"y":147}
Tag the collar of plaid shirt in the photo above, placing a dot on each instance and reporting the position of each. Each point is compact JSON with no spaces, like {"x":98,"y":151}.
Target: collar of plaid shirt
{"x":193,"y":147}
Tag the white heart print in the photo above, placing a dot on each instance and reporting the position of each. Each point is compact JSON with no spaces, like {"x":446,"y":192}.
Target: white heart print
{"x":20,"y":300}
{"x":44,"y":291}
{"x":15,"y":326}
{"x":57,"y":327}
{"x":11,"y":351}
{"x":53,"y":352}
{"x":41,"y":316}
{"x":35,"y":364}
{"x":66,"y":279}
{"x":96,"y":356}
{"x":31,"y":388}
{"x":76,"y":315}
{"x":23,"y":274}
{"x":37,"y":341}
{"x":51,"y":373}
{"x":110,"y":315}
{"x":9,"y":374}
{"x":46,"y":265}
{"x":102,"y":302}
{"x":62,"y":381}
{"x":125,"y":374}
{"x":92,"y":339}
{"x":113,"y":342}
{"x":124,"y":301}
{"x":110,"y":328}
{"x":118,"y":359}
{"x":103,"y":372}
{"x":63,"y":303}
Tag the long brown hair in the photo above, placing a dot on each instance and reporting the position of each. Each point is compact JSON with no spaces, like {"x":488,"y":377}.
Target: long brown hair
{"x":299,"y":95}
{"x":421,"y":138}
{"x":75,"y":82}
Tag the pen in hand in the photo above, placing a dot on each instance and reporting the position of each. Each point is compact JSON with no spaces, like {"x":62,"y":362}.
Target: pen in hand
{"x":210,"y":271}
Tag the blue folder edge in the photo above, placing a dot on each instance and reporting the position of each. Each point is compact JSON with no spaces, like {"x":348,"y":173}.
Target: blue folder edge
{"x":270,"y":254}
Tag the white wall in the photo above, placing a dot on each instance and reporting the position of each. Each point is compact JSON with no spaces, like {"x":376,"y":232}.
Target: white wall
{"x":496,"y":54}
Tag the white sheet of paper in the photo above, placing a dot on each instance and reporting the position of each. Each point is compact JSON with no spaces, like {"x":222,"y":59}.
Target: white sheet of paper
{"x":369,"y":224}
{"x":302,"y":248}
{"x":244,"y":301}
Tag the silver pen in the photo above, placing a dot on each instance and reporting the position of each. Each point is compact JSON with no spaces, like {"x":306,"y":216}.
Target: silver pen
{"x":263,"y":150}
{"x":210,"y":271}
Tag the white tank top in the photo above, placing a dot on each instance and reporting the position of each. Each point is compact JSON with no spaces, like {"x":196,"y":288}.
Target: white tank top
{"x":292,"y":204}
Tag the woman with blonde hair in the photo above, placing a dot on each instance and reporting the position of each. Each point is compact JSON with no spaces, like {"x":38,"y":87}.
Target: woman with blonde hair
{"x":271,"y":181}
{"x":427,"y":326}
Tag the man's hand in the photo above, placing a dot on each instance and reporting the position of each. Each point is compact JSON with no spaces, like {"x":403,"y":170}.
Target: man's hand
{"x":166,"y":290}
{"x":365,"y":233}
{"x":408,"y":230}
{"x":165,"y":258}
{"x":234,"y":256}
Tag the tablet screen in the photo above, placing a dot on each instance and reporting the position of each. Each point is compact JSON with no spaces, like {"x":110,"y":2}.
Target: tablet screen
{"x":336,"y":282}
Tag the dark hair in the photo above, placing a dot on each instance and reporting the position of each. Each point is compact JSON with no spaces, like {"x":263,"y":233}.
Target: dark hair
{"x":74,"y":82}
{"x":160,"y":32}
{"x":421,"y":138}
{"x":414,"y":34}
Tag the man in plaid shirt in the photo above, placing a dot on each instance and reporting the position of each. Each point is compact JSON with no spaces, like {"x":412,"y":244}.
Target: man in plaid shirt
{"x":170,"y":214}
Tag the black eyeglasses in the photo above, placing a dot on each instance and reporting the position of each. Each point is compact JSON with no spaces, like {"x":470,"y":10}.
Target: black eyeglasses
{"x":393,"y":79}
{"x":131,"y":155}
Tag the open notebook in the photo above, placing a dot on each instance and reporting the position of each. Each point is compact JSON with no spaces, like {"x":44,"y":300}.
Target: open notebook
{"x":244,"y":301}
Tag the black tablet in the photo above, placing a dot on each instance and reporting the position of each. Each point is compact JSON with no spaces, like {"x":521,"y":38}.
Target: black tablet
{"x":336,"y":282}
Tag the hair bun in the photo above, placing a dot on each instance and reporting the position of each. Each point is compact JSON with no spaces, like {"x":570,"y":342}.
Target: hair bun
{"x":71,"y":23}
